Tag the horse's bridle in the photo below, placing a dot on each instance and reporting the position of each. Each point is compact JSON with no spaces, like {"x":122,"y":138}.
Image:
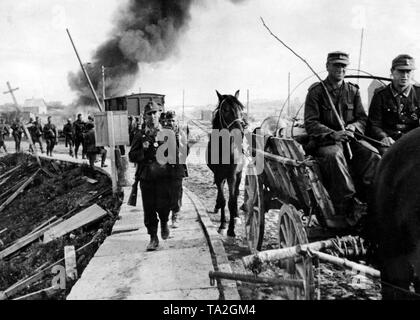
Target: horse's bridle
{"x":222,"y":119}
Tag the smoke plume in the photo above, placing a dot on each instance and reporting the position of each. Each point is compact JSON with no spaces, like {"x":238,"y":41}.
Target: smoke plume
{"x":146,"y":31}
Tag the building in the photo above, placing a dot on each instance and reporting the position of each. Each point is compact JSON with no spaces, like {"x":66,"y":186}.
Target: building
{"x":35,"y":106}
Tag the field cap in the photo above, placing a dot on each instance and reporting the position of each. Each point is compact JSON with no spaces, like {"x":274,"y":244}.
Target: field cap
{"x":403,"y":62}
{"x":338,"y":57}
{"x":152,"y":106}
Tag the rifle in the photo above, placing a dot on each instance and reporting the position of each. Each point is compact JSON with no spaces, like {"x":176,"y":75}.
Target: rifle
{"x":132,"y":200}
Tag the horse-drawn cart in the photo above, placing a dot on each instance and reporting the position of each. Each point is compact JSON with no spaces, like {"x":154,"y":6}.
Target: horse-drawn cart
{"x":290,"y":183}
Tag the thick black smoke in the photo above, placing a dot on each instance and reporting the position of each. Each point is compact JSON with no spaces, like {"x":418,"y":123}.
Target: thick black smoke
{"x":146,"y":31}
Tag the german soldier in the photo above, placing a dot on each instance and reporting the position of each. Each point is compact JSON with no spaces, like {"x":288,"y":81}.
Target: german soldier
{"x":324,"y":131}
{"x":51,"y":136}
{"x":153,"y":176}
{"x":36,"y":132}
{"x":4,"y":130}
{"x":395,"y":109}
{"x":79,"y":129}
{"x":18,"y":130}
{"x":68,"y":131}
{"x":179,"y":169}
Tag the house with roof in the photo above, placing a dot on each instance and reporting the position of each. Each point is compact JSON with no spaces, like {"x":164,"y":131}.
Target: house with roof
{"x":35,"y":106}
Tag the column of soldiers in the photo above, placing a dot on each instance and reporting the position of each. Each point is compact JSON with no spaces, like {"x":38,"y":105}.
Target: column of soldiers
{"x":160,"y":180}
{"x":393,"y":112}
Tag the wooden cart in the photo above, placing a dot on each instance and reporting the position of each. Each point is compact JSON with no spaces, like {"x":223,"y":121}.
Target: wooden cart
{"x":289,"y":183}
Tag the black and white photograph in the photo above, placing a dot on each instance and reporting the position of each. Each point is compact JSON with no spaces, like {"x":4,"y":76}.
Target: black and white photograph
{"x":211,"y":155}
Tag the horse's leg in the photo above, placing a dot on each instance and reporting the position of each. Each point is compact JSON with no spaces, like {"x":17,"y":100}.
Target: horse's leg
{"x":233,"y":205}
{"x":238,"y":182}
{"x":221,"y":203}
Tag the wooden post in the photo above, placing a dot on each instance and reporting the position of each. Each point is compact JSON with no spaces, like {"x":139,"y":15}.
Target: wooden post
{"x":70,"y":262}
{"x":112,"y":151}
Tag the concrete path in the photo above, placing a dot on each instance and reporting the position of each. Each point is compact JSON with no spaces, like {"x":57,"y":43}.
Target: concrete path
{"x":123,"y":269}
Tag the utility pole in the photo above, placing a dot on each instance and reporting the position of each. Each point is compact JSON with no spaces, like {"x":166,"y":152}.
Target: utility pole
{"x":103,"y":84}
{"x":288,"y":96}
{"x":183,"y":105}
{"x":12,"y":94}
{"x":247,"y":103}
{"x":360,"y":53}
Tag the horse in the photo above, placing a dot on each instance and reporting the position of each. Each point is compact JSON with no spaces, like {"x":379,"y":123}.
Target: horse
{"x":393,"y":225}
{"x":227,"y":118}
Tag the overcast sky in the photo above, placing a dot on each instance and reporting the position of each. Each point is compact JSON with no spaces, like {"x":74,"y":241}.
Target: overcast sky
{"x":225,"y":47}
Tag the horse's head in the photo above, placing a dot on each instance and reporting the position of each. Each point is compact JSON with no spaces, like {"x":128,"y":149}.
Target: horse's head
{"x":228,"y":113}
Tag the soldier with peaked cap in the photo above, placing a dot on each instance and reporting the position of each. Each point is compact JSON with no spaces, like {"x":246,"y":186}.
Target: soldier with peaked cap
{"x":341,"y":175}
{"x":395,"y":108}
{"x":179,"y":168}
{"x":154,"y":176}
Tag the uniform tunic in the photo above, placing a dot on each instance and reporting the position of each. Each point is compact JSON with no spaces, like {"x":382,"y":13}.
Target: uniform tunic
{"x":339,"y":174}
{"x":155,"y":178}
{"x":392,"y":114}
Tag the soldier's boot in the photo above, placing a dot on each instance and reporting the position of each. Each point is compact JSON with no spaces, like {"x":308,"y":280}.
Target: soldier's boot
{"x":154,"y":242}
{"x":164,"y":230}
{"x":175,"y":223}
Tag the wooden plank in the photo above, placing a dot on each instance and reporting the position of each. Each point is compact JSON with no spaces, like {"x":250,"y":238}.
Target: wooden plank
{"x":89,"y":180}
{"x":14,"y":195}
{"x":48,"y":173}
{"x":42,"y":225}
{"x":38,"y":294}
{"x":70,"y":262}
{"x":81,"y":219}
{"x":3,"y":231}
{"x":10,"y":171}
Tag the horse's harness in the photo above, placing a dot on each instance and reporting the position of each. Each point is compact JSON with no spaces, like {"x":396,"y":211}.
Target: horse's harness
{"x":222,"y":119}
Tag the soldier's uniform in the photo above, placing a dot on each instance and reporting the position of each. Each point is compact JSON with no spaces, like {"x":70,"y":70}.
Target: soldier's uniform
{"x":393,"y":113}
{"x":155,"y":179}
{"x":17,"y":134}
{"x":4,"y":130}
{"x":91,"y":149}
{"x":79,"y":129}
{"x":179,"y":168}
{"x":35,"y":130}
{"x":50,"y":136}
{"x":68,"y":131}
{"x":340,"y":175}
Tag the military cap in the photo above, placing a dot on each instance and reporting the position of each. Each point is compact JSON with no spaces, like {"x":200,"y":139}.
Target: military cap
{"x":403,"y":62}
{"x":170,"y":115}
{"x":152,"y":106}
{"x":130,"y":117}
{"x":338,"y":57}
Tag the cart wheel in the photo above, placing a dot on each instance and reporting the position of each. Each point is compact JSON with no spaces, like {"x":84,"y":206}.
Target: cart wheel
{"x":254,"y":225}
{"x":292,"y":233}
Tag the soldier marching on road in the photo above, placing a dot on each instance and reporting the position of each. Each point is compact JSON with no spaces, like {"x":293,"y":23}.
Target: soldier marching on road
{"x":79,"y":129}
{"x":18,"y":130}
{"x":154,"y":175}
{"x":179,"y":169}
{"x":68,"y":131}
{"x":51,"y":136}
{"x":4,"y":130}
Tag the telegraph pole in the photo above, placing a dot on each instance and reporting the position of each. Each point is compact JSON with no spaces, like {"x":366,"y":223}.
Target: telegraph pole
{"x":12,"y":94}
{"x":360,"y":53}
{"x":103,"y":84}
{"x":247,"y":103}
{"x":288,"y":96}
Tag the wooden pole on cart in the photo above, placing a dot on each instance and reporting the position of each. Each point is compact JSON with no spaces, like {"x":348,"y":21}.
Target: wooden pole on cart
{"x":331,"y":103}
{"x":290,"y":252}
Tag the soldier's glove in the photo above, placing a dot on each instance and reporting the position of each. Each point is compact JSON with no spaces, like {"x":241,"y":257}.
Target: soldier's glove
{"x":388,"y":141}
{"x":342,"y":136}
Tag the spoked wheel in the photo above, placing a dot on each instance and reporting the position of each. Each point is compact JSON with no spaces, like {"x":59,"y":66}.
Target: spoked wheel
{"x":254,"y":213}
{"x":292,"y":233}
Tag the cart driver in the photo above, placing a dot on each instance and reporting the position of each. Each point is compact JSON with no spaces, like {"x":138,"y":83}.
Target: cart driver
{"x":343,"y":177}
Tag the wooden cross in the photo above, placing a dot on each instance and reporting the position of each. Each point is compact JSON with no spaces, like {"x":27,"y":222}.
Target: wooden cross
{"x":12,"y":94}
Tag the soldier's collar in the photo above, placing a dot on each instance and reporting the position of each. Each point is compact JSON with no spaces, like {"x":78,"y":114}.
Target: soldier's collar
{"x":330,"y":86}
{"x":405,"y":92}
